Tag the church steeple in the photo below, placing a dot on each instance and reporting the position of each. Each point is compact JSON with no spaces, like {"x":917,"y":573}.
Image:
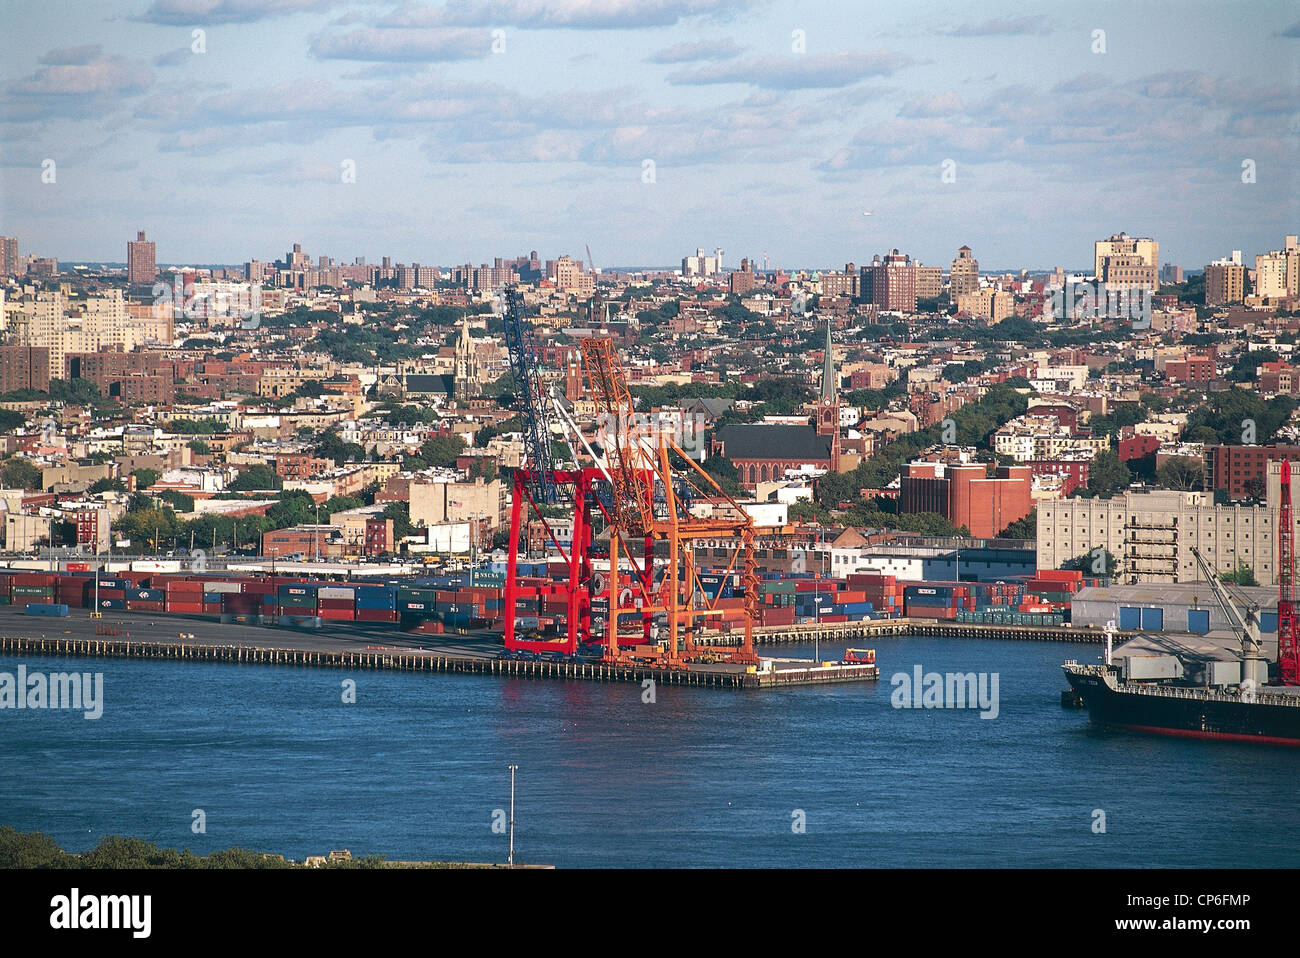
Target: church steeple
{"x":466,"y":383}
{"x":828,"y":407}
{"x":830,"y":389}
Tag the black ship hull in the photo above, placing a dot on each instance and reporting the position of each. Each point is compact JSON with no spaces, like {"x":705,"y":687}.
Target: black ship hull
{"x":1192,"y":713}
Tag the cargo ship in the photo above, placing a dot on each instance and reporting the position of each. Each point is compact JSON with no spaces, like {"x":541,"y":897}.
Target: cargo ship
{"x":1195,"y":686}
{"x":1268,"y":714}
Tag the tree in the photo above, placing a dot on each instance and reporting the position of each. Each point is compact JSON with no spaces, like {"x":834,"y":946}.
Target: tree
{"x":178,"y":500}
{"x":255,"y":478}
{"x":1107,"y":474}
{"x":16,"y":473}
{"x":106,"y":485}
{"x":1096,"y":561}
{"x":200,"y":447}
{"x":438,"y":451}
{"x":144,"y":478}
{"x":1242,"y":575}
{"x":1180,"y":472}
{"x":400,"y":513}
{"x":1025,"y":528}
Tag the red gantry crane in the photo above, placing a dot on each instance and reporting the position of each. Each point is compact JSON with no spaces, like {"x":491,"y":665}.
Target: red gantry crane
{"x":1288,"y":656}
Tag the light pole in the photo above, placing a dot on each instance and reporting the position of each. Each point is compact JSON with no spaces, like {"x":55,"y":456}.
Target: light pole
{"x":956,"y":558}
{"x":510,"y":860}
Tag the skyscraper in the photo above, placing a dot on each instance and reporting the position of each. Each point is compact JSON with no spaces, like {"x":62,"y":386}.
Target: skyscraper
{"x":8,"y":256}
{"x":140,"y":267}
{"x":964,"y":274}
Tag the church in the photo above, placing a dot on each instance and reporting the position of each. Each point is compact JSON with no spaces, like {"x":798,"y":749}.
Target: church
{"x":463,"y":384}
{"x":762,"y":452}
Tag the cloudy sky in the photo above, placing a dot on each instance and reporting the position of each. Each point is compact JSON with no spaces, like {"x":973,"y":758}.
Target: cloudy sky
{"x":646,"y":128}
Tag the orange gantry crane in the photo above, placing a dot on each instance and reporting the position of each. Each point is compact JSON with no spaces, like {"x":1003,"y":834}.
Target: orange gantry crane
{"x":654,"y":484}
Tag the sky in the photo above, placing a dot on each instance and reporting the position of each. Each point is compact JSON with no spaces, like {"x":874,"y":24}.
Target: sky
{"x":445,"y":133}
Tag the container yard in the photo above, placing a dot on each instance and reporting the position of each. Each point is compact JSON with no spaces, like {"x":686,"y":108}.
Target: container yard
{"x":464,"y":602}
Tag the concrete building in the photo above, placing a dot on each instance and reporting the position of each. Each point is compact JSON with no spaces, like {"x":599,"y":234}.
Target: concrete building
{"x":1151,"y":535}
{"x":437,"y":501}
{"x":1225,"y":281}
{"x":963,"y":274}
{"x":1146,"y":250}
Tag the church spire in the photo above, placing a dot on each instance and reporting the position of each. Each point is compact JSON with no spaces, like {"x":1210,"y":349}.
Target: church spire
{"x":829,"y":380}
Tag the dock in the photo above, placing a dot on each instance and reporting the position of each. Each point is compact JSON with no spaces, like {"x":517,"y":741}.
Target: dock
{"x":784,"y":673}
{"x":884,"y":628}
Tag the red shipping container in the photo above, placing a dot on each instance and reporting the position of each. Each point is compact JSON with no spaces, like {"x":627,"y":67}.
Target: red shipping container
{"x":376,"y":615}
{"x":212,"y":608}
{"x":339,"y":615}
{"x":144,"y":605}
{"x":336,"y":605}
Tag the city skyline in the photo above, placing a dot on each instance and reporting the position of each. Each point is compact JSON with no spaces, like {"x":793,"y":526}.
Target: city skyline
{"x":370,"y":129}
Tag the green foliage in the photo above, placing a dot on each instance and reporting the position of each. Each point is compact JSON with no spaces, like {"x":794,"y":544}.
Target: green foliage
{"x":1225,"y":414}
{"x":178,"y":500}
{"x":1107,"y":474}
{"x":144,"y":478}
{"x":10,"y":420}
{"x":437,"y":451}
{"x":332,"y":446}
{"x":975,"y":423}
{"x":200,"y":447}
{"x":17,"y":473}
{"x":193,"y":427}
{"x":1248,"y":363}
{"x":1094,"y":562}
{"x":1026,"y":528}
{"x":106,"y":485}
{"x":1242,"y":575}
{"x":255,"y":478}
{"x":1180,"y":472}
{"x":400,"y":513}
{"x":81,"y":392}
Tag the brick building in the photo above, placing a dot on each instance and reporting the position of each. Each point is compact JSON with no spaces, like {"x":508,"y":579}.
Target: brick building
{"x":24,"y":367}
{"x":1240,"y":471}
{"x":966,"y":495}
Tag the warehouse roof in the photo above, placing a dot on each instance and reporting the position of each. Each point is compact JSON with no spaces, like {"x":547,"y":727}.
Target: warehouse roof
{"x":1172,"y":593}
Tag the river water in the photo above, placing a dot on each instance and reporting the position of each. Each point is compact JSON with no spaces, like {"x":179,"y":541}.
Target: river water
{"x":832,"y":776}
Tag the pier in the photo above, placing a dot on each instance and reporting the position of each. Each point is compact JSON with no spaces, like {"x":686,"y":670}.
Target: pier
{"x":783,"y":674}
{"x":884,"y":628}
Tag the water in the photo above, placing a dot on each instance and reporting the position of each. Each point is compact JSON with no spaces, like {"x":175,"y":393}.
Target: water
{"x":416,"y":768}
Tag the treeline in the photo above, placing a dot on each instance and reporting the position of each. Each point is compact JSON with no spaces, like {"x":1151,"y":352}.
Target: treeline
{"x":37,"y":850}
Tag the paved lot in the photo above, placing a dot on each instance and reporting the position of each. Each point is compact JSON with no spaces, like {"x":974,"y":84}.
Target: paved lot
{"x":160,"y":627}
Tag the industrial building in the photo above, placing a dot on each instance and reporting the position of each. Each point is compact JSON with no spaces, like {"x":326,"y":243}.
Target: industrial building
{"x":1151,"y":535}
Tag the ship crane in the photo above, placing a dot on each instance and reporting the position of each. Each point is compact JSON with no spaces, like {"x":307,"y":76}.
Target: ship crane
{"x":1245,"y":625}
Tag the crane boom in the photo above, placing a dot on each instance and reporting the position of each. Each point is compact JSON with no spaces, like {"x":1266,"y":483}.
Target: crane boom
{"x":1246,"y":626}
{"x":523,"y":363}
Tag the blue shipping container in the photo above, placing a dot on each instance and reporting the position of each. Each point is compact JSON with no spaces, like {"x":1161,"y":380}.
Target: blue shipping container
{"x":46,"y":608}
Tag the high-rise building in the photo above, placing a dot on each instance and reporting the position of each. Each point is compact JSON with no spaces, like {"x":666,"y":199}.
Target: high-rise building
{"x":742,"y":280}
{"x":1277,"y":273}
{"x":929,"y":281}
{"x":8,"y":256}
{"x":890,"y":283}
{"x":964,"y":274}
{"x":1225,"y":281}
{"x":140,"y":266}
{"x":1137,"y":252}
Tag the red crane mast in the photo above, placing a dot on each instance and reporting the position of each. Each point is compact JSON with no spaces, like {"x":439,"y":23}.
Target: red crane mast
{"x":1288,"y":656}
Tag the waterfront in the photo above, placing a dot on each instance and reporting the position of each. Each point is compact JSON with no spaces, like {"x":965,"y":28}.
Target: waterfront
{"x":416,"y":767}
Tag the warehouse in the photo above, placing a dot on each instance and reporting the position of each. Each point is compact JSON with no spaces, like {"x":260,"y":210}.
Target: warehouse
{"x":1167,"y":607}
